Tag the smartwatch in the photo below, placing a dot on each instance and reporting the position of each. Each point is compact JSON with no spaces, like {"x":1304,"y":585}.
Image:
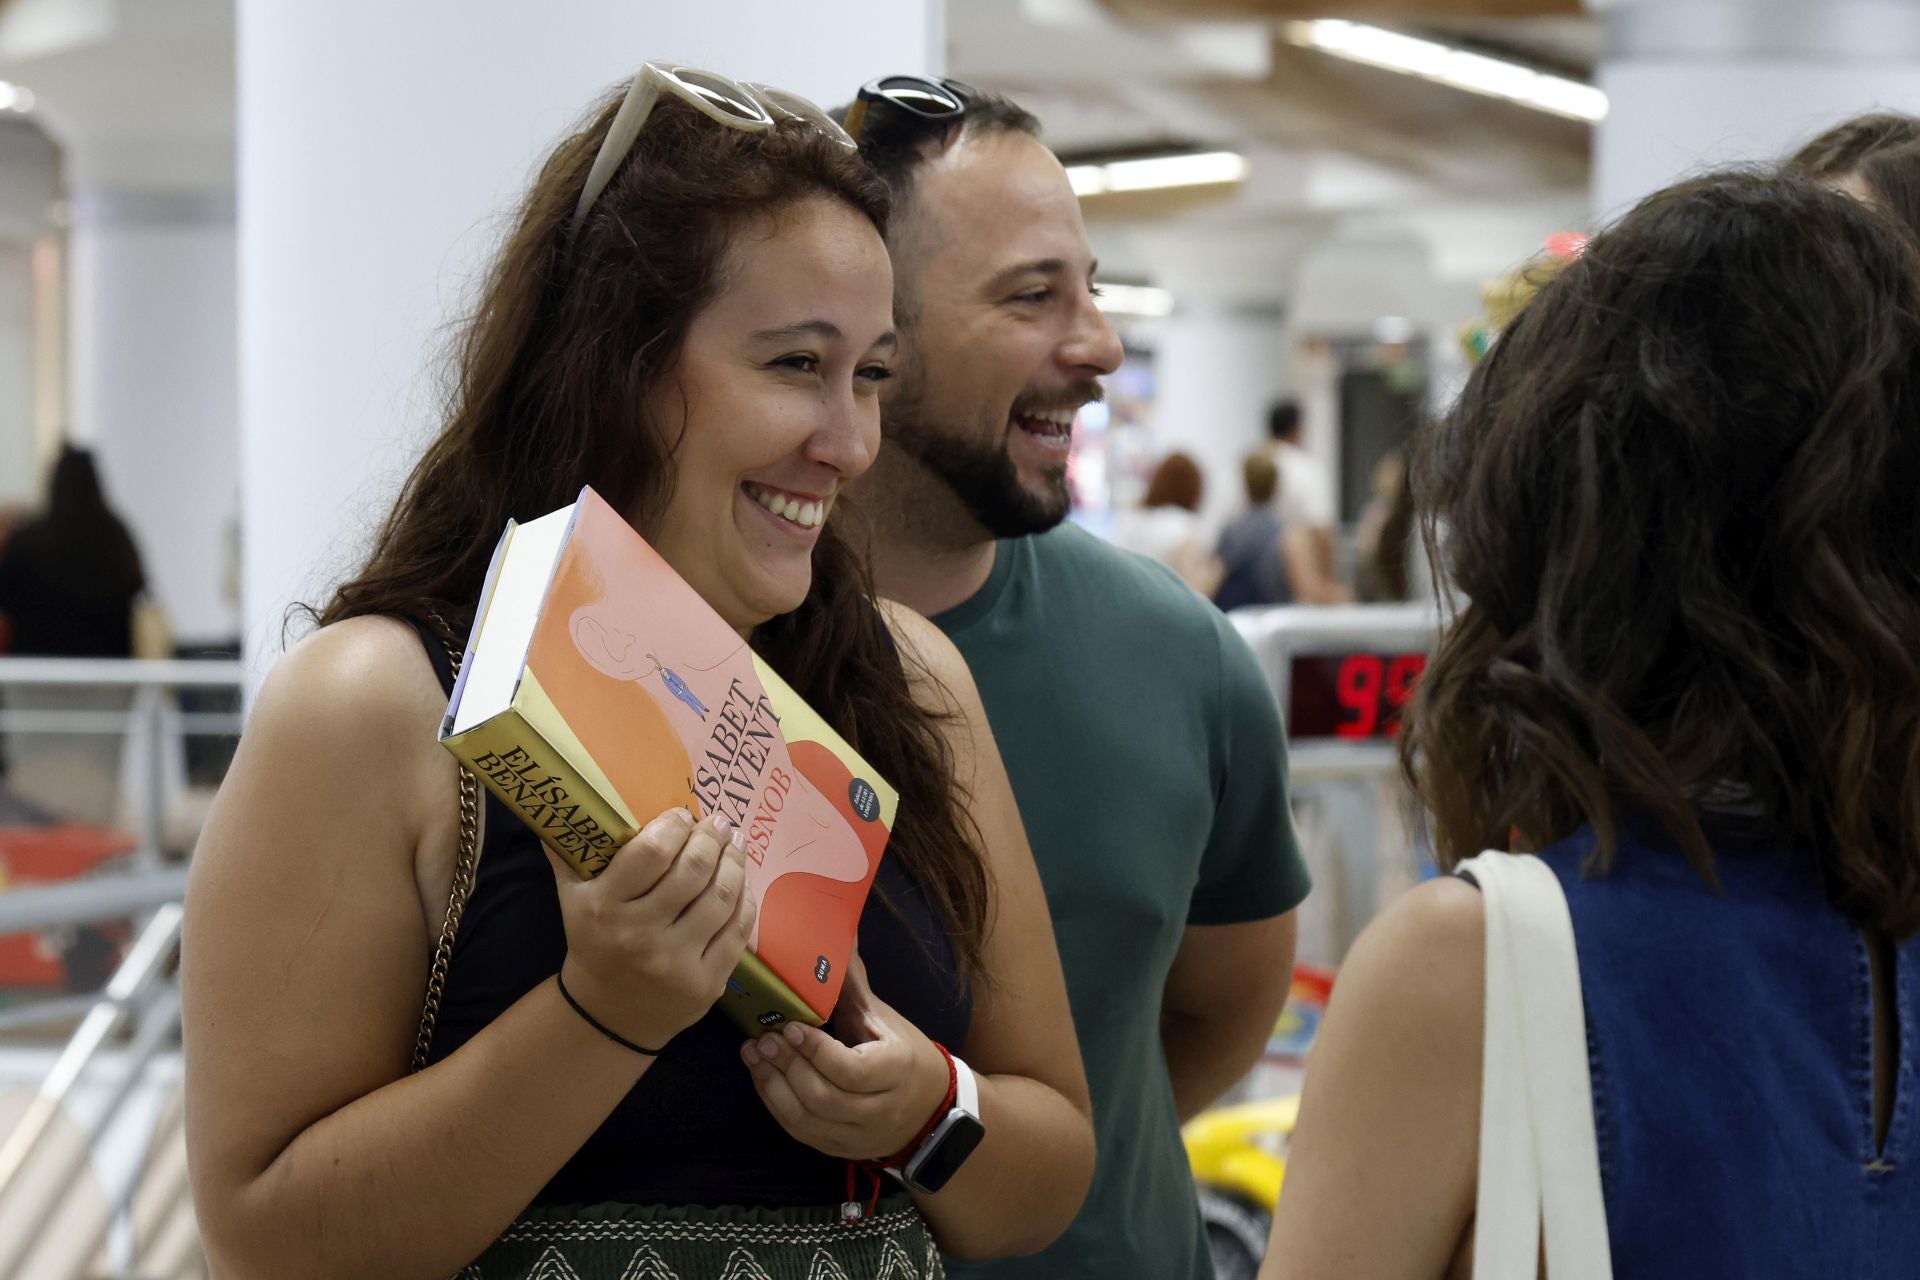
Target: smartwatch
{"x":937,"y":1159}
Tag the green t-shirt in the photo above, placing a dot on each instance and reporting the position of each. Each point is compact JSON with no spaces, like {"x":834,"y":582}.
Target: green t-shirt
{"x":1147,"y":757}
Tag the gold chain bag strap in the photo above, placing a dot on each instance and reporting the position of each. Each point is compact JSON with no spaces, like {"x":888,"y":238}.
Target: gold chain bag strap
{"x":463,"y":868}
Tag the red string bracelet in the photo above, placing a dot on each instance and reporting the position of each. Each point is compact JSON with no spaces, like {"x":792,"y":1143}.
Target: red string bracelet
{"x":905,"y":1153}
{"x":897,"y":1159}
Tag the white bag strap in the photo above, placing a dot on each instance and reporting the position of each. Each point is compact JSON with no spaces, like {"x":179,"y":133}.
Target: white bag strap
{"x":1539,"y":1160}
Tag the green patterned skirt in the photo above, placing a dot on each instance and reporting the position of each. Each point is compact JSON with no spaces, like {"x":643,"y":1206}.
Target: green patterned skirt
{"x":653,"y":1242}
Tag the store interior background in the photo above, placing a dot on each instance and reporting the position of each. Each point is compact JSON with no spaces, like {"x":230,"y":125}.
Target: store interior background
{"x":232,"y":236}
{"x":235,"y":236}
{"x":1338,"y":270}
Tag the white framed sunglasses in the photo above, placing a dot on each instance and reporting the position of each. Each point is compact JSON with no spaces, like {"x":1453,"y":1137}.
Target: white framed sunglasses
{"x":736,"y":104}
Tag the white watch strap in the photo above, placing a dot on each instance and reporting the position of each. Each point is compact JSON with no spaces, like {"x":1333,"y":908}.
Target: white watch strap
{"x":966,"y":1090}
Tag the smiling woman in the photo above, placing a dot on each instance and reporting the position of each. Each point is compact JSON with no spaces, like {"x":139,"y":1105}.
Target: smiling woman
{"x":693,"y":314}
{"x":770,"y":422}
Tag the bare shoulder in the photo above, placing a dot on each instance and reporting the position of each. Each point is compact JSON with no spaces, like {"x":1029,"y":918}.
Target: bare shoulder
{"x":364,"y":669}
{"x":939,"y":675}
{"x":1442,"y":919}
{"x":351,"y":711}
{"x":1380,"y":1176}
{"x":1416,"y":979}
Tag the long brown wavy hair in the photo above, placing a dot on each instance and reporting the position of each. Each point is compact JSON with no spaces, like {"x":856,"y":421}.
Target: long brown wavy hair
{"x":1891,"y":177}
{"x":1679,"y":500}
{"x":551,"y":378}
{"x":1842,"y":149}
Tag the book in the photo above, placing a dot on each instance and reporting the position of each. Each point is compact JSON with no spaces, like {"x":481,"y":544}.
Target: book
{"x":600,"y":690}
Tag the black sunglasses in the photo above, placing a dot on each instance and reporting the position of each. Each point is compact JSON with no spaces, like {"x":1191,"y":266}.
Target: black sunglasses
{"x":937,"y":102}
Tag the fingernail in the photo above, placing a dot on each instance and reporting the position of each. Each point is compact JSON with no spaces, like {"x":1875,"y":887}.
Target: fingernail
{"x":793,"y":1034}
{"x":748,"y":1054}
{"x":720,"y":822}
{"x":740,"y":840}
{"x":769,"y":1046}
{"x":682,"y":815}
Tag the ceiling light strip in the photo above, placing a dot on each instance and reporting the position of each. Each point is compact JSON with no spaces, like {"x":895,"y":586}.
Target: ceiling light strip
{"x":1156,"y":173}
{"x":1459,"y":68}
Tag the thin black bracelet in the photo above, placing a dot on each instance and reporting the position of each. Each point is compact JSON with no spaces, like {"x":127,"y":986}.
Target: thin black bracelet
{"x":600,"y":1026}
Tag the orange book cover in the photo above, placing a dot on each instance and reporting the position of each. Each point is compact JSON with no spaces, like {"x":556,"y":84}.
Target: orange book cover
{"x":633,"y":697}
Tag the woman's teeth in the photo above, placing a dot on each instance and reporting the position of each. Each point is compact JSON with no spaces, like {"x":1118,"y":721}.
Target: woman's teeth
{"x":808,"y":514}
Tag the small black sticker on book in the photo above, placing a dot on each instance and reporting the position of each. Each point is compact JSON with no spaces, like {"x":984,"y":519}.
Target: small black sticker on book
{"x":772,"y":1018}
{"x":866,"y":801}
{"x":821,"y":968}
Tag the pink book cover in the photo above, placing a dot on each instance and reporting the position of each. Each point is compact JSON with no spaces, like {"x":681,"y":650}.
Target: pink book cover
{"x":674,"y":708}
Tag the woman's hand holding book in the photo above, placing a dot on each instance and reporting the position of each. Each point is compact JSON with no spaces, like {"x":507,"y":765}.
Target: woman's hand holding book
{"x":860,"y":1100}
{"x":652,"y":939}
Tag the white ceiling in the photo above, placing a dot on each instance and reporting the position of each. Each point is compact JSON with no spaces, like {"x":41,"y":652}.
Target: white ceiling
{"x":1337,"y":150}
{"x":1342,"y":154}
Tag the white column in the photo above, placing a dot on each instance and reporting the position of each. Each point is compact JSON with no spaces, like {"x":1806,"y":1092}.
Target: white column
{"x":28,"y":187}
{"x":1217,"y":368}
{"x":1695,"y":83}
{"x":1221,"y":358}
{"x":382,"y":149}
{"x":153,"y":364}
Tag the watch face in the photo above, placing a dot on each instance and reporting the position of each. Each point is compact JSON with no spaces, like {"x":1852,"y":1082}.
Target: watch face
{"x":943,"y":1153}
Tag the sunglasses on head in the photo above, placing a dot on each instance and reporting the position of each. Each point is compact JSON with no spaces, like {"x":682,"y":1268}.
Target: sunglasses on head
{"x":736,"y":104}
{"x":934,"y":102}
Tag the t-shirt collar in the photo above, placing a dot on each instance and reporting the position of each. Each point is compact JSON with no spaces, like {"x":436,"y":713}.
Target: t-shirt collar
{"x":982,"y":602}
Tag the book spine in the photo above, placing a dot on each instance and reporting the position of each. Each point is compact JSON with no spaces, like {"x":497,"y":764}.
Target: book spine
{"x":515,"y":762}
{"x":757,"y":1001}
{"x":534,"y":780}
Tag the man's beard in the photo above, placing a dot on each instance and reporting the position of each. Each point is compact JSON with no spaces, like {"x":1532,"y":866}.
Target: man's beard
{"x":981,"y":473}
{"x":983,"y":477}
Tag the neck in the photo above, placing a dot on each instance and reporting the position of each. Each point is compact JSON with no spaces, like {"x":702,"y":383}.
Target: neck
{"x":929,"y":553}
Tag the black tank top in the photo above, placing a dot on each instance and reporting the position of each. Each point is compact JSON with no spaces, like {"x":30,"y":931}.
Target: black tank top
{"x":692,"y":1131}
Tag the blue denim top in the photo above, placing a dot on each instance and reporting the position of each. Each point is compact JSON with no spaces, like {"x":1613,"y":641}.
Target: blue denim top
{"x":1731,"y":1042}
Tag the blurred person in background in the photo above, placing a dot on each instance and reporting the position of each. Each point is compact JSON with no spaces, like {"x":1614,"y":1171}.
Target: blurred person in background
{"x":1166,"y":525}
{"x":11,"y":518}
{"x":1393,"y":556}
{"x":1253,"y":545}
{"x":1154,"y":791}
{"x":694,"y":313}
{"x":1385,"y":530}
{"x":1835,"y":157}
{"x":72,"y":586}
{"x":70,"y":577}
{"x":1679,"y":497}
{"x":1304,"y":501}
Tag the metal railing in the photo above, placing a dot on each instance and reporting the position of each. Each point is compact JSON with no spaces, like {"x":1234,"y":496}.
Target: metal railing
{"x":1337,"y":786}
{"x":126,"y":1037}
{"x":152,"y":726}
{"x":135,"y":1022}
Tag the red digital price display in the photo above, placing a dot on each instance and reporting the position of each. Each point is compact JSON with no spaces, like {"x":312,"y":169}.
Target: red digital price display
{"x":1354,"y":696}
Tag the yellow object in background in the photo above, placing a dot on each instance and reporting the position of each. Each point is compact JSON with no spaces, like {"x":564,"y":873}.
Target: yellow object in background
{"x":1502,"y":299}
{"x":1239,"y":1159}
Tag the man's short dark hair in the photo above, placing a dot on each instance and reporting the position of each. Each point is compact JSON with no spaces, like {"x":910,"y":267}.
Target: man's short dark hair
{"x":1283,"y":419}
{"x":897,"y":142}
{"x":1842,"y":149}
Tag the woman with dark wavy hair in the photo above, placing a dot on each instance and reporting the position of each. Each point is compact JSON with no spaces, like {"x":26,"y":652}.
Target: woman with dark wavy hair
{"x":1837,"y":156}
{"x":1680,"y":505}
{"x":1889,"y":180}
{"x":693,"y":314}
